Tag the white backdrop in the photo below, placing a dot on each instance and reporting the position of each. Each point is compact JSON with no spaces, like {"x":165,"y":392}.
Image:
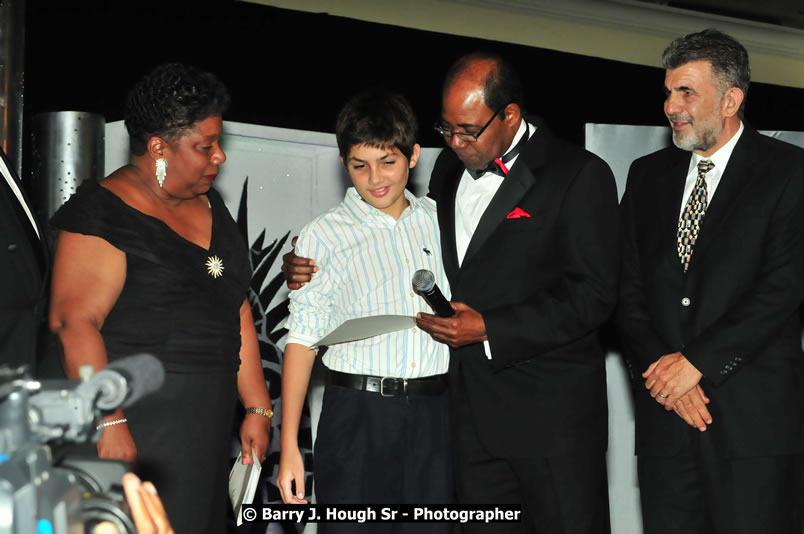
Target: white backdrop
{"x":295,"y":175}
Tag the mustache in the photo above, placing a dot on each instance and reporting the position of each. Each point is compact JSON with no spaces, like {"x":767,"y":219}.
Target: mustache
{"x":680,"y":117}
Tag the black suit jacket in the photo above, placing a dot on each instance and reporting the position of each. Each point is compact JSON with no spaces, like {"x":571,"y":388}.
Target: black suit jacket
{"x":735,"y":313}
{"x":23,"y":271}
{"x":544,"y":285}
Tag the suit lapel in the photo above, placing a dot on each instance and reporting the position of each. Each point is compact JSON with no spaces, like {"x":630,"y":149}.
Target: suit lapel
{"x":515,"y":185}
{"x":446,"y":220}
{"x":737,"y":175}
{"x":670,"y":192}
{"x":38,"y":247}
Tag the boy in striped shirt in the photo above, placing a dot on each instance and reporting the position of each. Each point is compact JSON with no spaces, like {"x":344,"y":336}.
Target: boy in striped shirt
{"x":383,"y":432}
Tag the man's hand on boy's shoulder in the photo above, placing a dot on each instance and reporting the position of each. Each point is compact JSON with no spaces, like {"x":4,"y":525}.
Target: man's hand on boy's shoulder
{"x":298,"y":271}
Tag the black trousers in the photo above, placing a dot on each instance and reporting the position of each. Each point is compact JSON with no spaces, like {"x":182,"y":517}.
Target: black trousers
{"x":703,"y":493}
{"x":559,"y":495}
{"x":382,"y":450}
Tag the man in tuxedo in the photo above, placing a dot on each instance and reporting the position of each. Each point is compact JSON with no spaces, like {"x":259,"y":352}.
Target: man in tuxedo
{"x":712,"y":280}
{"x":530,"y":247}
{"x":23,"y":270}
{"x":530,"y":244}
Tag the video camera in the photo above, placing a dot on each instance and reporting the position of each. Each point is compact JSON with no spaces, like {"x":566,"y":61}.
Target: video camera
{"x":75,"y":495}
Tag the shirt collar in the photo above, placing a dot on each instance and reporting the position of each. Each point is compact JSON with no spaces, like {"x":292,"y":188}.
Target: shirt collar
{"x":363,"y":210}
{"x":723,"y":154}
{"x":519,"y":133}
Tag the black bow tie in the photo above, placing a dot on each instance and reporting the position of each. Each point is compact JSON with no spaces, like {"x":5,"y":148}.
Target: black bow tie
{"x":500,"y":165}
{"x":495,"y":167}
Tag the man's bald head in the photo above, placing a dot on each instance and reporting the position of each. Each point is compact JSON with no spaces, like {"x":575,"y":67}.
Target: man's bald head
{"x":492,"y":74}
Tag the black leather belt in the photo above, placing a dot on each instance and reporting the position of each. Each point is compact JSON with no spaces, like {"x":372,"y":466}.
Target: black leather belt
{"x":388,"y":386}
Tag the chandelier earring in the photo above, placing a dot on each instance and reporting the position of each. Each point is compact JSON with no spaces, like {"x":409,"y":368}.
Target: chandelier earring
{"x":161,"y":171}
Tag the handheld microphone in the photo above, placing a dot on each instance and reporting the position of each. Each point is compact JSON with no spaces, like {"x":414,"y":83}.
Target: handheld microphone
{"x":424,"y":284}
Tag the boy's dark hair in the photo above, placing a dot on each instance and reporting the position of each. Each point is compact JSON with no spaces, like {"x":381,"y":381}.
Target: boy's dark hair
{"x":170,"y":100}
{"x":502,"y":85}
{"x":729,"y":59}
{"x":376,"y":118}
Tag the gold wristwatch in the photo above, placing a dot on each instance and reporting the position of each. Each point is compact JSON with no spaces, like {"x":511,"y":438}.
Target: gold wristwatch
{"x":267,"y":412}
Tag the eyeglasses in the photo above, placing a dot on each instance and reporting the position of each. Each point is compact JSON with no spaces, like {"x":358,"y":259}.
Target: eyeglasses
{"x":466,"y":136}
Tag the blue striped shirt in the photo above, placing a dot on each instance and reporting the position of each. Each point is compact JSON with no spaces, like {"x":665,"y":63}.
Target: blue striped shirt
{"x":367,"y":260}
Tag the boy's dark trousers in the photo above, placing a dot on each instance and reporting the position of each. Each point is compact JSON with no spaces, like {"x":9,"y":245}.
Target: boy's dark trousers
{"x":376,"y":449}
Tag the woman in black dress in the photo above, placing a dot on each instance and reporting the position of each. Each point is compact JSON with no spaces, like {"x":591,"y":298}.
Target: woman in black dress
{"x":149,"y":260}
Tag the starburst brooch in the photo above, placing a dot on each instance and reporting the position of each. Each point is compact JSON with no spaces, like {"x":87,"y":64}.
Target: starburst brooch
{"x":214,"y":266}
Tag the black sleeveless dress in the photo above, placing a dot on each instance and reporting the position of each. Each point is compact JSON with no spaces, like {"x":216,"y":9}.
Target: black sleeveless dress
{"x":180,"y":303}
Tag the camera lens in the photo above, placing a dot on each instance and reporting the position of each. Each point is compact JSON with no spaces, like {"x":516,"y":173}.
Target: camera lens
{"x":95,"y":510}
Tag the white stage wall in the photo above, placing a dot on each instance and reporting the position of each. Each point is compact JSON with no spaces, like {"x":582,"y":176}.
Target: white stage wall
{"x":295,"y":175}
{"x":620,"y":144}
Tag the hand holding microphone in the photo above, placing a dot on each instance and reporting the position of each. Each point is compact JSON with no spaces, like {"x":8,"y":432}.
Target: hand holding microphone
{"x":456,"y":324}
{"x":424,"y":284}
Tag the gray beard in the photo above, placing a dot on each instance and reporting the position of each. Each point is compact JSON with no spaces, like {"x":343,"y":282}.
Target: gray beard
{"x":697,"y":141}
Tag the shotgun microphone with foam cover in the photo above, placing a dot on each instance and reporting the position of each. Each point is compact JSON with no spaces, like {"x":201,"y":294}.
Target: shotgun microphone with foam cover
{"x":125,"y":381}
{"x":424,"y":284}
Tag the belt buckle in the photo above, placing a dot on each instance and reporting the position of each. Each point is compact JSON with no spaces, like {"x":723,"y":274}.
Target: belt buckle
{"x":382,"y":386}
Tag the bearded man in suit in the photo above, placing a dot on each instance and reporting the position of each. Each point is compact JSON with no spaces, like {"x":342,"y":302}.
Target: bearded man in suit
{"x":712,"y":281}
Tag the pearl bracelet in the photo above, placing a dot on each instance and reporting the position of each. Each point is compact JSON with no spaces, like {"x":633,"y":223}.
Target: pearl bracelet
{"x":111,"y":423}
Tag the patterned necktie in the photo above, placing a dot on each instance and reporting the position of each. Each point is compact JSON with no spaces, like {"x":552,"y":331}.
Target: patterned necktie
{"x":689,"y":225}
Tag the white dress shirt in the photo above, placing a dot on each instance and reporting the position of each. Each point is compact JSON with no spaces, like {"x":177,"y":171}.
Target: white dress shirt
{"x":367,"y":260}
{"x":15,"y":188}
{"x":712,"y":178}
{"x":474,"y":196}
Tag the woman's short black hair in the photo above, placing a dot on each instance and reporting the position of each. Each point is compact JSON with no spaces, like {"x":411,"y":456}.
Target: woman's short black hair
{"x":170,"y":100}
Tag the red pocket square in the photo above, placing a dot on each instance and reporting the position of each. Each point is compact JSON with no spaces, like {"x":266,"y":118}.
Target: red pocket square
{"x":517,"y":213}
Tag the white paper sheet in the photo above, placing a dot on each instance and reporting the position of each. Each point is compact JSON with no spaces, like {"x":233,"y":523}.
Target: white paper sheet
{"x":243,"y":484}
{"x":366,"y":327}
